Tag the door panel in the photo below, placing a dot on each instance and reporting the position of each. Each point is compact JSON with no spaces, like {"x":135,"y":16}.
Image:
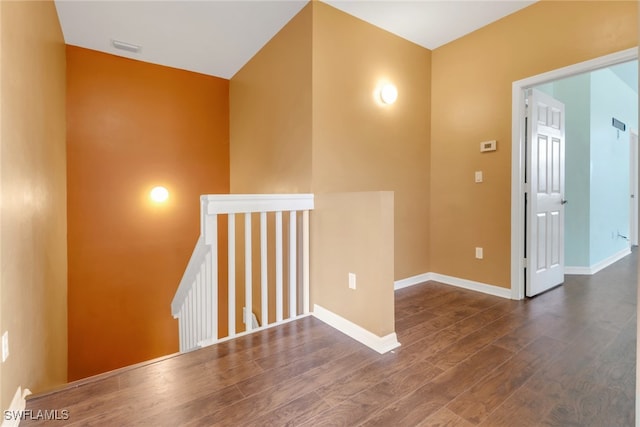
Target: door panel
{"x":545,"y":235}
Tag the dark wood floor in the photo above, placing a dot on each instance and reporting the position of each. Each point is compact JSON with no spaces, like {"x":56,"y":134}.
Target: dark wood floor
{"x":565,"y":358}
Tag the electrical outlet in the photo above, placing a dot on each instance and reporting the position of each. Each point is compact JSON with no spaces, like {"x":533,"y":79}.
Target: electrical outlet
{"x":479,"y":253}
{"x":352,"y":280}
{"x":5,"y":346}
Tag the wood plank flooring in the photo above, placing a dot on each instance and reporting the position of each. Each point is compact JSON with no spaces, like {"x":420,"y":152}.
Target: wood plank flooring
{"x":564,"y":358}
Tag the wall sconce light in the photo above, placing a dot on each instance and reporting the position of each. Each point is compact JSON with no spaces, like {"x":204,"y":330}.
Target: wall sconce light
{"x":159,"y":194}
{"x":388,"y":93}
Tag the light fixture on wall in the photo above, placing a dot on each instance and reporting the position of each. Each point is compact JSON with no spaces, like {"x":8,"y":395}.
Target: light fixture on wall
{"x":388,"y":93}
{"x":159,"y":194}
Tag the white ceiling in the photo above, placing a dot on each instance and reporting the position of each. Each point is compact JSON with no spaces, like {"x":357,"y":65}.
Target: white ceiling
{"x":218,"y":37}
{"x":429,"y":23}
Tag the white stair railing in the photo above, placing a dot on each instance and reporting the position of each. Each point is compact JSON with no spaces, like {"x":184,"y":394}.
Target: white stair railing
{"x":195,"y":303}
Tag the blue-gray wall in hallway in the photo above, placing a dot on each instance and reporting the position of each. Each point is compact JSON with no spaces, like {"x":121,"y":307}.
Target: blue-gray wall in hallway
{"x":597,"y":163}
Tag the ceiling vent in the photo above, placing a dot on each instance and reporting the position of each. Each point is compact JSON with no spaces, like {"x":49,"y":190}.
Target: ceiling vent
{"x":125,"y":46}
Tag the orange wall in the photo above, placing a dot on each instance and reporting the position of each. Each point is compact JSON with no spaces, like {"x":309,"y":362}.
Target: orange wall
{"x":133,"y":125}
{"x":360,"y":145}
{"x":33,"y":277}
{"x":471,"y":102}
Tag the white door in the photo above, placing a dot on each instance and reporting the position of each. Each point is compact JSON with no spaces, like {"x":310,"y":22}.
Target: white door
{"x":545,"y":198}
{"x":633,"y":185}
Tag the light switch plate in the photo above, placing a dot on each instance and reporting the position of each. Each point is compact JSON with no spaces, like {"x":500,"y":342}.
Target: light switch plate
{"x":479,"y":176}
{"x":5,"y":346}
{"x":352,"y":280}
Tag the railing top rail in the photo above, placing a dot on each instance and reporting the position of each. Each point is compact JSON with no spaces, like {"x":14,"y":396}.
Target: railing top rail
{"x":245,"y":203}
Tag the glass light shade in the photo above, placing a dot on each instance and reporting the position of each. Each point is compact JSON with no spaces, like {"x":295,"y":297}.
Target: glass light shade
{"x":388,"y":93}
{"x":159,"y":194}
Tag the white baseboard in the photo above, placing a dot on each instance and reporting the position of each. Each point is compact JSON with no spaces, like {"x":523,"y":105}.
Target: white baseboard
{"x":473,"y":286}
{"x":599,"y":265}
{"x":454,"y":281}
{"x":413,"y":280}
{"x":358,"y":333}
{"x":577,"y":270}
{"x":12,"y":416}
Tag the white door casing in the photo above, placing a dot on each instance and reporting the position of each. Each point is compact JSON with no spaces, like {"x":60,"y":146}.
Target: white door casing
{"x":633,"y":187}
{"x":518,"y":187}
{"x":545,"y":198}
{"x":517,"y":169}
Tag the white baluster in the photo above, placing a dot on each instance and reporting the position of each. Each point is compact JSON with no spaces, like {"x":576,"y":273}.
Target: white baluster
{"x":181,"y":328}
{"x":186,"y":324}
{"x":213,"y":271}
{"x":190,"y":319}
{"x":263,"y":269}
{"x":248,"y":303}
{"x":232,"y":273}
{"x":293,"y":298}
{"x":208,"y":309}
{"x":278,"y":266}
{"x":199,"y":300}
{"x":203,"y":302}
{"x":192,"y":314}
{"x":305,"y":262}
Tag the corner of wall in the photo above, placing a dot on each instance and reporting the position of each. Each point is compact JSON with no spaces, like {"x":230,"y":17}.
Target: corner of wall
{"x":33,"y":215}
{"x":353,"y":235}
{"x":270,"y":114}
{"x":358,"y":144}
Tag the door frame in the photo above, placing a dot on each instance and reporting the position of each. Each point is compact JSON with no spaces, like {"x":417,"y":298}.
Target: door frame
{"x":633,"y":187}
{"x":518,"y":189}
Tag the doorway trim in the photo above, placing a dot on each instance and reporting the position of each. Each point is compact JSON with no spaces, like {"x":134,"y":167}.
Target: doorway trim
{"x":633,"y":187}
{"x":517,"y":152}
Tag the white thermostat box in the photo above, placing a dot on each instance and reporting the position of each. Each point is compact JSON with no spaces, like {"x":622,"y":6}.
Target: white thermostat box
{"x":488,"y":146}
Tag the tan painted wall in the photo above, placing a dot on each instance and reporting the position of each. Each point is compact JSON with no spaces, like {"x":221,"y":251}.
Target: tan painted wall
{"x":33,"y":219}
{"x":3,"y":405}
{"x":353,"y":233}
{"x":270,"y":114}
{"x":471,"y":102}
{"x":304,"y":118}
{"x":270,"y":134}
{"x":360,"y":145}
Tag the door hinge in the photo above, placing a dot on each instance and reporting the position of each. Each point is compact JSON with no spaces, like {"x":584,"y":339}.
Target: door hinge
{"x":524,"y":262}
